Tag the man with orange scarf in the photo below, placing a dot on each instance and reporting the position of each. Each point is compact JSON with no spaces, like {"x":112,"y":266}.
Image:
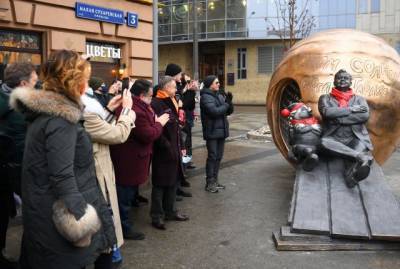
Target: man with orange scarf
{"x":344,"y":116}
{"x":166,"y":165}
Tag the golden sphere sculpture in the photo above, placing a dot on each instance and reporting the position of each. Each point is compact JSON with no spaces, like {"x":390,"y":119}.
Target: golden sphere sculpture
{"x":307,"y":71}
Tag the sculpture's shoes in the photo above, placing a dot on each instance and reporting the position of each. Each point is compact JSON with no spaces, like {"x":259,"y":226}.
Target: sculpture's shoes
{"x":362,"y":171}
{"x":357,"y":172}
{"x":310,"y":162}
{"x":349,"y":179}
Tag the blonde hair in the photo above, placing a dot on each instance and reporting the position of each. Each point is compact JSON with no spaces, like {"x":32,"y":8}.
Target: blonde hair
{"x":65,"y":72}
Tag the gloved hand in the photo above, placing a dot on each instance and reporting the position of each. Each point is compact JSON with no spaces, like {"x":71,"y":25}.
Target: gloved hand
{"x":229,"y":97}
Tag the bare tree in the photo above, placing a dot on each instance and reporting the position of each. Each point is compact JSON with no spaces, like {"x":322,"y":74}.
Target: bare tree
{"x":292,"y":22}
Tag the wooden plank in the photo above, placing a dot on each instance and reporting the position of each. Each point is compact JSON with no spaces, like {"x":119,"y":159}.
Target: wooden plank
{"x":347,"y":213}
{"x":293,"y":201}
{"x":311,"y":214}
{"x":287,"y":235}
{"x":333,"y":245}
{"x":382,"y":207}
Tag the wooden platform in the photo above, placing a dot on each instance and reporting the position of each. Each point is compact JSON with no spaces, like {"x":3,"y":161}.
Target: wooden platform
{"x":325,"y":209}
{"x":288,"y":241}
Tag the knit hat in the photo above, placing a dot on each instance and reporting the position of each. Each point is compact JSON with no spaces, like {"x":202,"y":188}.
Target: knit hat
{"x":292,"y":108}
{"x":209,"y":80}
{"x":172,"y":70}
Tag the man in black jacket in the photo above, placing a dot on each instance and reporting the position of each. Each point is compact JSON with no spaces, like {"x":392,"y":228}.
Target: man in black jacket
{"x":215,"y":108}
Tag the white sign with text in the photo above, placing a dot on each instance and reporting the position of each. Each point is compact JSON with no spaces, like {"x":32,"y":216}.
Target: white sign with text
{"x":102,"y":51}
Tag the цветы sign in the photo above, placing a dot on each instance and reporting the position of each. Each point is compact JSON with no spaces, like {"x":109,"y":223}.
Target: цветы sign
{"x":93,"y":50}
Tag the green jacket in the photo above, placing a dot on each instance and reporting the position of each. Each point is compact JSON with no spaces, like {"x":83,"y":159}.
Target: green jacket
{"x":12,"y":123}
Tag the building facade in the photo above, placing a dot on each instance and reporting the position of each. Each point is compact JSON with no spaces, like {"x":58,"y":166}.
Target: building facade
{"x":239,"y":39}
{"x":117,"y":34}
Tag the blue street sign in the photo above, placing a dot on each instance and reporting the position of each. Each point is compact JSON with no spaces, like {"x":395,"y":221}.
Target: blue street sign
{"x":132,"y":19}
{"x":96,"y":13}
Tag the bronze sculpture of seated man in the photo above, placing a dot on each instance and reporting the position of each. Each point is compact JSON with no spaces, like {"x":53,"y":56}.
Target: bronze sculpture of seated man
{"x":344,"y":134}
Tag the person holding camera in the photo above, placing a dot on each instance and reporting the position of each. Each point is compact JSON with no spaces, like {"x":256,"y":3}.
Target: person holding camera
{"x":100,"y":124}
{"x":132,"y":159}
{"x":215,"y":106}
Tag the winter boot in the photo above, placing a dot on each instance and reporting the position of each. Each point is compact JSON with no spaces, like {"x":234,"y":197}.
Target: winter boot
{"x":211,"y":185}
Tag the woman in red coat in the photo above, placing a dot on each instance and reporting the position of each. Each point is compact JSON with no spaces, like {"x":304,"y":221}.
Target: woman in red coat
{"x":132,"y":159}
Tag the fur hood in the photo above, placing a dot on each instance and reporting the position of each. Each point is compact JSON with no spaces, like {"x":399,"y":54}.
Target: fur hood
{"x":45,"y":102}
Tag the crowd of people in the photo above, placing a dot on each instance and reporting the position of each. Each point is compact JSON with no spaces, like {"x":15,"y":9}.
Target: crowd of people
{"x":75,"y":152}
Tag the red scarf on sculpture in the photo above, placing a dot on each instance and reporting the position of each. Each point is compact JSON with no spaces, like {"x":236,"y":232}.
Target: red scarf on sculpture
{"x":342,"y":97}
{"x":308,"y":121}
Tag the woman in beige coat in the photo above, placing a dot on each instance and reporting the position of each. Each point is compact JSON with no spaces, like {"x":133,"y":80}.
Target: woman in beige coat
{"x":99,"y":124}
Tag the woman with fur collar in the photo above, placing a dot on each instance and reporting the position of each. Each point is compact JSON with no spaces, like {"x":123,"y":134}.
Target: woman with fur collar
{"x":100,"y":125}
{"x":67,"y":223}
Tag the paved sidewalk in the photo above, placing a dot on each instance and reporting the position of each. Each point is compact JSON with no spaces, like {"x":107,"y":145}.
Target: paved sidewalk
{"x":233,"y":229}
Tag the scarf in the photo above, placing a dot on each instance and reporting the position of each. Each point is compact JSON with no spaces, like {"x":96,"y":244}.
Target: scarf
{"x":308,"y":121}
{"x":163,"y":95}
{"x":342,"y":97}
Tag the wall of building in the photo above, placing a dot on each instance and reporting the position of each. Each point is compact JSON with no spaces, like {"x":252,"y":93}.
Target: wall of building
{"x":56,"y":20}
{"x":180,"y":54}
{"x":383,"y":22}
{"x":253,"y":89}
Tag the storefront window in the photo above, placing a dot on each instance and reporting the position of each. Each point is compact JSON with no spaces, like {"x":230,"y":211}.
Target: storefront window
{"x":105,"y":59}
{"x":8,"y":57}
{"x":201,"y":11}
{"x":18,"y":46}
{"x":164,"y":30}
{"x":180,"y":13}
{"x":101,"y":52}
{"x":164,"y":15}
{"x":216,"y":9}
{"x":235,"y":9}
{"x":17,"y":40}
{"x":180,"y":31}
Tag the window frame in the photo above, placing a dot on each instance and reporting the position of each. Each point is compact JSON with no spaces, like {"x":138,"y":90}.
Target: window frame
{"x":273,"y":62}
{"x":241,"y":63}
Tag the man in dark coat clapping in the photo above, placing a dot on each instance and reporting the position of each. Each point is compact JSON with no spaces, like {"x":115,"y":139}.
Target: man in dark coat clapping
{"x":215,"y":105}
{"x":166,"y":166}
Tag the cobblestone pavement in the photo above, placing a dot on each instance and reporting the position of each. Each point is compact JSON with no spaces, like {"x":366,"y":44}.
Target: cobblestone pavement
{"x":232,"y":229}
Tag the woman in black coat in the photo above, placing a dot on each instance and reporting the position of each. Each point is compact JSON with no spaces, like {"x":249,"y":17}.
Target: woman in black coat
{"x":67,"y":223}
{"x":166,"y":164}
{"x":215,"y":107}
